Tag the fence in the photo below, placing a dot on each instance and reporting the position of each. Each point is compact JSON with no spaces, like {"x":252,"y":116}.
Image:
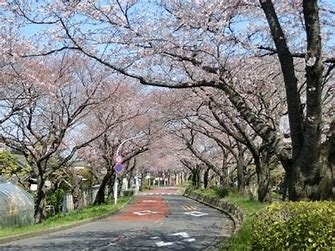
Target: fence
{"x":88,"y":199}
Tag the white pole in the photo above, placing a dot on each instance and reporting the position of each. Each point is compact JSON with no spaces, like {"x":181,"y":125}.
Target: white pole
{"x":117,"y":154}
{"x":115,"y":189}
{"x":137,"y":184}
{"x":135,"y":137}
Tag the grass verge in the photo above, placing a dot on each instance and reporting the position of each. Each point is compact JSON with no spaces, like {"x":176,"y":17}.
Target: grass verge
{"x":62,"y":221}
{"x":242,"y":239}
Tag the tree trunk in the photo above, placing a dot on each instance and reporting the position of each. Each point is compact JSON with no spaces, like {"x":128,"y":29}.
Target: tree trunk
{"x":100,"y":197}
{"x":40,"y":202}
{"x":313,"y":181}
{"x":311,"y":177}
{"x":263,"y":178}
{"x":206,"y":176}
{"x":77,"y":196}
{"x":225,"y":177}
{"x":76,"y":191}
{"x":241,"y":177}
{"x":286,"y":184}
{"x":331,"y":161}
{"x":320,"y":184}
{"x":198,"y":176}
{"x":194,"y":177}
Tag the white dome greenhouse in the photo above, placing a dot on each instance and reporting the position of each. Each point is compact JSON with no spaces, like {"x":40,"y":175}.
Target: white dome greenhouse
{"x":16,"y":205}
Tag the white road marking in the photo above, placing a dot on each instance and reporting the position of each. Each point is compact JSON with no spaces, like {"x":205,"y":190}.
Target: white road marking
{"x":183,"y":237}
{"x":163,"y":244}
{"x":182,"y":234}
{"x":149,"y":201}
{"x":189,"y":240}
{"x":189,"y":208}
{"x":158,"y":193}
{"x":144,"y":212}
{"x":196,"y":213}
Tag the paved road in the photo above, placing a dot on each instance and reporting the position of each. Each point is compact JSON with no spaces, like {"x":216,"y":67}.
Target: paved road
{"x":158,"y":220}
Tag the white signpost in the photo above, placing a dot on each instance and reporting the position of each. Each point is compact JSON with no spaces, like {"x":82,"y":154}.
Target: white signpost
{"x":118,"y":169}
{"x":118,"y":166}
{"x":118,"y":159}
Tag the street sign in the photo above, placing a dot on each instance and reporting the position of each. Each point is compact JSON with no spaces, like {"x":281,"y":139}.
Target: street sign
{"x":118,"y":159}
{"x":118,"y":167}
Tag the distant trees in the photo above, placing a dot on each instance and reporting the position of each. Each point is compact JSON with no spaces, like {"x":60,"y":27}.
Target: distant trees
{"x":213,"y":132}
{"x":124,"y":113}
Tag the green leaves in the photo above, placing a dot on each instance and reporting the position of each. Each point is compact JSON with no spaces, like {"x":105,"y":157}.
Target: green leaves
{"x":295,"y":226}
{"x":8,"y":164}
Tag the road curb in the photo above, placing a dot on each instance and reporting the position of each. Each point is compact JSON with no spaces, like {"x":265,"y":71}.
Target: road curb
{"x":230,"y":209}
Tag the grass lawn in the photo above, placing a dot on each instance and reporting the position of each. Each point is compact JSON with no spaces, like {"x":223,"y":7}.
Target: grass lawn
{"x":61,"y":221}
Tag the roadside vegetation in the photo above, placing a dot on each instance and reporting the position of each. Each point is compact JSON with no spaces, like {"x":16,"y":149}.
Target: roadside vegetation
{"x":65,"y":220}
{"x":284,"y":225}
{"x":279,"y":225}
{"x":242,"y":239}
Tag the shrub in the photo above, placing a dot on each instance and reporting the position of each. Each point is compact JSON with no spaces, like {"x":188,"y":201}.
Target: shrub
{"x":221,"y":191}
{"x":55,"y":198}
{"x":146,"y":187}
{"x":295,"y":226}
{"x":128,"y":193}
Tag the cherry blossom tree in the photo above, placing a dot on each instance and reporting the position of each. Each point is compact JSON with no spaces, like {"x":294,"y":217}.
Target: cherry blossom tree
{"x":165,"y":151}
{"x":58,"y":99}
{"x":180,"y":44}
{"x":163,"y":160}
{"x":130,"y":117}
{"x":215,"y":134}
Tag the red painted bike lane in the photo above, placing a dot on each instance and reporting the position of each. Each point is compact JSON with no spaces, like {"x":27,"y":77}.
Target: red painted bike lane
{"x":147,"y":206}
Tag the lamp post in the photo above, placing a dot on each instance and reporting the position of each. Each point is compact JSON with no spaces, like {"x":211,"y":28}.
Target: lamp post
{"x":118,"y":160}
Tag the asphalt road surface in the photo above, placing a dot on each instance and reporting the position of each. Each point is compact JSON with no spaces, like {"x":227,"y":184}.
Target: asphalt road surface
{"x":157,"y":220}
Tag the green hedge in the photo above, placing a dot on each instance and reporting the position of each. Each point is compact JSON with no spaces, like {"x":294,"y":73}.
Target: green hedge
{"x":295,"y":226}
{"x":128,"y":193}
